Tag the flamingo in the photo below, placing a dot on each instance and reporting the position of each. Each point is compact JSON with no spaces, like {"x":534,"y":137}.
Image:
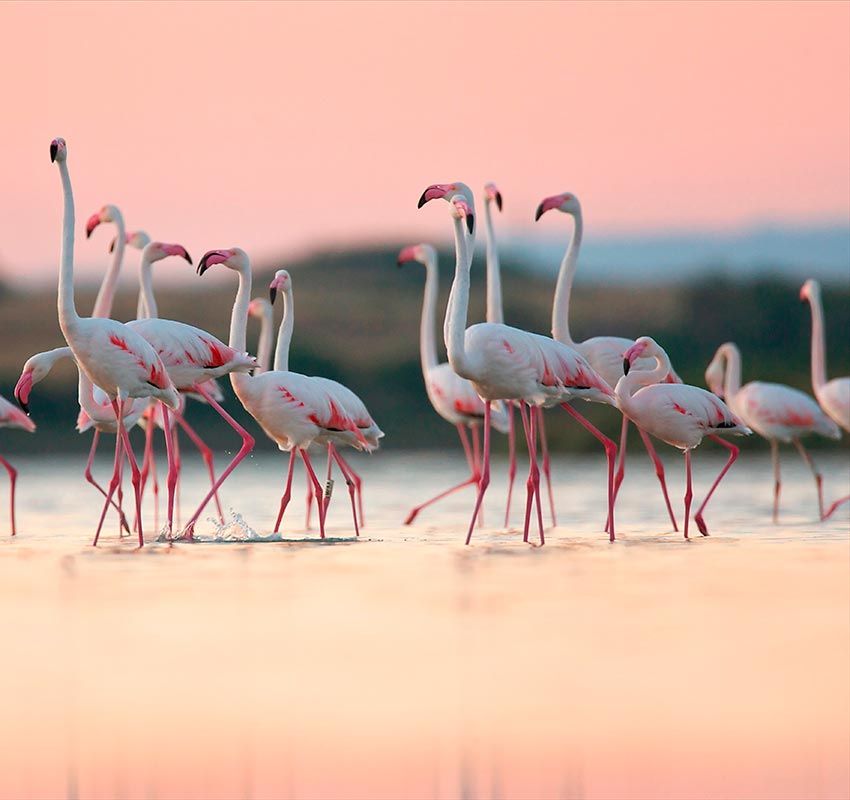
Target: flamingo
{"x":292,"y":409}
{"x":832,"y":396}
{"x":605,"y":353}
{"x":776,"y":412}
{"x":13,"y":417}
{"x":676,"y":413}
{"x":452,"y":397}
{"x":505,"y":363}
{"x":351,"y":405}
{"x":113,"y":356}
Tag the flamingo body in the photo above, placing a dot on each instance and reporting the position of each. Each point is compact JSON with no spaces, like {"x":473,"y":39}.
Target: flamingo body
{"x":834,"y":399}
{"x":456,"y":401}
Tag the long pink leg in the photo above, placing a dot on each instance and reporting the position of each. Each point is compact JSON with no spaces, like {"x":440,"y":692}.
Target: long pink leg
{"x":317,"y":489}
{"x":93,"y":482}
{"x":659,"y":472}
{"x":473,"y":478}
{"x":287,"y":492}
{"x":328,"y":490}
{"x":147,"y":456}
{"x":13,"y":478}
{"x":136,"y":475}
{"x":688,"y":490}
{"x":178,"y":468}
{"x":544,"y":447}
{"x":358,"y":486}
{"x":621,"y":465}
{"x":610,"y":453}
{"x":533,"y":482}
{"x":113,"y":483}
{"x":476,"y":465}
{"x":247,"y":447}
{"x":831,"y":510}
{"x":206,"y":454}
{"x":484,"y":480}
{"x":777,"y":478}
{"x":804,"y":454}
{"x":511,"y":458}
{"x":733,"y":455}
{"x":120,"y":493}
{"x":309,"y":504}
{"x":351,"y":493}
{"x":173,"y":467}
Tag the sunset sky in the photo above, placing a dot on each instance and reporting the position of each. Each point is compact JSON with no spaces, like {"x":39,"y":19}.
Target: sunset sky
{"x":282,"y":127}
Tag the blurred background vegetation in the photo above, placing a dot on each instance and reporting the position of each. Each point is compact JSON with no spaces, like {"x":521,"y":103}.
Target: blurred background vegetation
{"x":357,"y":319}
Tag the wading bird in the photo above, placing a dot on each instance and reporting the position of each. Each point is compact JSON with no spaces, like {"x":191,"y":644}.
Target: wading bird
{"x":13,"y":417}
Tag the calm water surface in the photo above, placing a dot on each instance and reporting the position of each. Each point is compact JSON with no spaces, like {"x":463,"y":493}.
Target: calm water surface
{"x":406,"y":665}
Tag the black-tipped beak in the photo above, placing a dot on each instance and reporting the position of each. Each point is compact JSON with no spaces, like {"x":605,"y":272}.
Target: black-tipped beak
{"x":470,"y":222}
{"x":23,"y":405}
{"x":499,"y":200}
{"x":272,"y":294}
{"x":422,"y":200}
{"x":627,"y":365}
{"x":112,"y":245}
{"x":539,"y":212}
{"x":54,"y":149}
{"x":186,"y":255}
{"x":399,"y":263}
{"x":202,"y":265}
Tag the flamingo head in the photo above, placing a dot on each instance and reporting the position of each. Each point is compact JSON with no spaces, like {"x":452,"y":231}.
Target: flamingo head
{"x":280,"y":283}
{"x":453,"y":193}
{"x":567,"y":203}
{"x":108,"y":213}
{"x":423,"y":253}
{"x":35,"y":369}
{"x":156,"y":251}
{"x":640,"y":349}
{"x":258,"y":307}
{"x":138,"y":240}
{"x":492,"y":195}
{"x":233,"y":258}
{"x":810,"y":290}
{"x":58,"y":150}
{"x":715,"y":372}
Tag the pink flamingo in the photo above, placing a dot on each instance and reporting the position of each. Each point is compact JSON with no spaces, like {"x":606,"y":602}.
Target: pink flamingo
{"x":292,"y":409}
{"x":13,"y":417}
{"x":505,"y":363}
{"x":774,"y":411}
{"x":676,"y":413}
{"x":451,"y":396}
{"x":113,"y":356}
{"x":832,"y":396}
{"x":351,"y":406}
{"x":605,"y":353}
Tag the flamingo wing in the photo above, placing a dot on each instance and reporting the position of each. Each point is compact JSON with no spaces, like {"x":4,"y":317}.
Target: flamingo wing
{"x":781,"y":412}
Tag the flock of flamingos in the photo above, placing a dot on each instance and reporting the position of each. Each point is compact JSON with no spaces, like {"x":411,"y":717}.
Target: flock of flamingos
{"x":141,"y":372}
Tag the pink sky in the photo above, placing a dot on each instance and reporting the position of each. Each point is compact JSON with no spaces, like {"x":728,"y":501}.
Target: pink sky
{"x":283,"y":127}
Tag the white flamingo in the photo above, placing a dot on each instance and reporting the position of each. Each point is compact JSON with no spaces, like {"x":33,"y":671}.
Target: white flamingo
{"x":113,"y":356}
{"x":832,"y":396}
{"x":676,"y":413}
{"x":13,"y":417}
{"x":505,"y":363}
{"x":605,"y":353}
{"x":294,"y":410}
{"x":773,"y":410}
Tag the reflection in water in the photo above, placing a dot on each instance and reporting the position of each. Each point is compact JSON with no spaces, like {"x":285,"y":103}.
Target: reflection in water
{"x":405,"y":665}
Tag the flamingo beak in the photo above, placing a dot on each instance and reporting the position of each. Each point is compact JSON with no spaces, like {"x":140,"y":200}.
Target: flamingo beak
{"x":435,"y":191}
{"x":94,"y":221}
{"x":211,"y":258}
{"x":54,"y":149}
{"x":627,"y":365}
{"x":23,"y":389}
{"x":177,"y":250}
{"x":112,"y":244}
{"x":406,"y":255}
{"x":272,"y":293}
{"x":498,"y":199}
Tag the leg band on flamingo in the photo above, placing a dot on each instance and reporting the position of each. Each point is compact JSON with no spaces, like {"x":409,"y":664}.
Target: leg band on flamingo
{"x":247,"y":447}
{"x":611,"y":455}
{"x":733,"y":455}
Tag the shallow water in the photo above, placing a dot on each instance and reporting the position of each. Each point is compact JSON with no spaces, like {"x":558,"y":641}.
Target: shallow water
{"x":403,"y":664}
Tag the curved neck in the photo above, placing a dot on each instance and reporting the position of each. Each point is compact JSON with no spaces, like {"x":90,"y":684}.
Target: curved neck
{"x":239,"y":322}
{"x":428,"y":320}
{"x":65,"y":301}
{"x":732,"y":377}
{"x":494,"y":279}
{"x":454,"y":330}
{"x":284,"y":333}
{"x":106,"y":293}
{"x":818,"y":343}
{"x":564,"y":286}
{"x":638,"y":378}
{"x":147,"y":308}
{"x":264,"y":346}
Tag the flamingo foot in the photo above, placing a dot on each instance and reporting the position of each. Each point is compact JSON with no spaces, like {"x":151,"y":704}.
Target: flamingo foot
{"x":703,"y":528}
